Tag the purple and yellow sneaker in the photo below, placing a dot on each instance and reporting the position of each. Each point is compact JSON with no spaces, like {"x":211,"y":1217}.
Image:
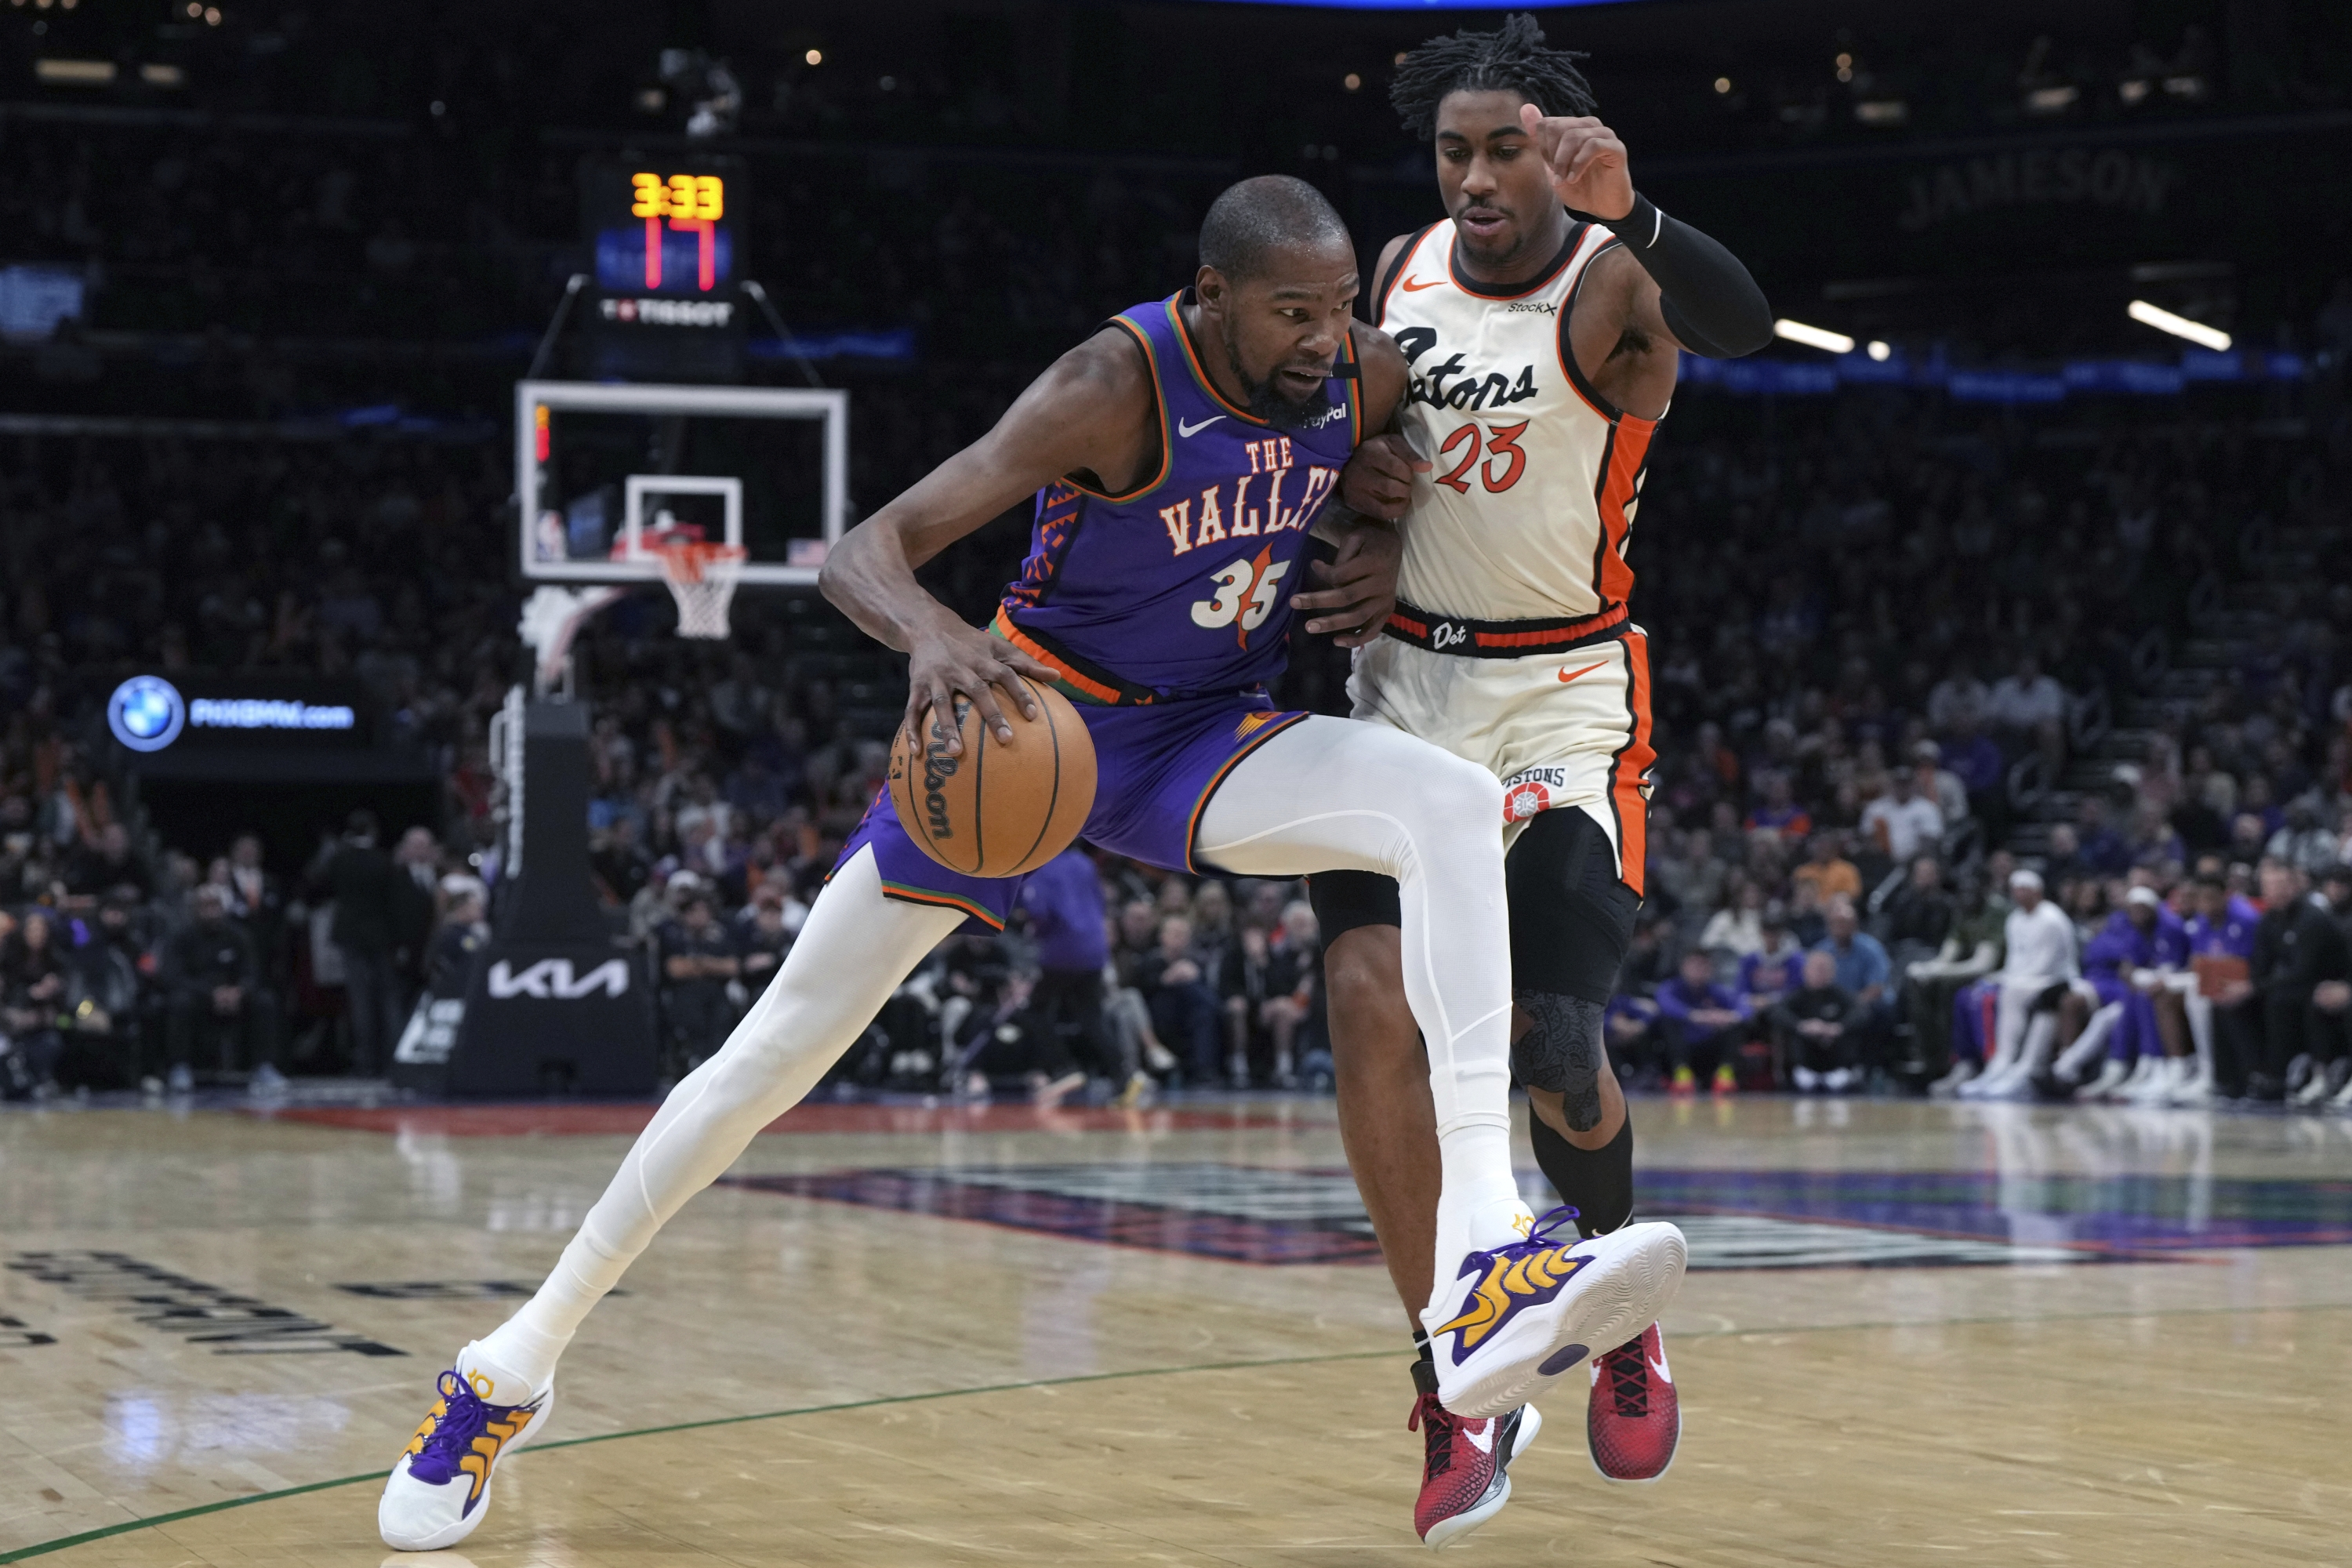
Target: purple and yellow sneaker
{"x":440,"y":1490}
{"x":1535,"y":1309}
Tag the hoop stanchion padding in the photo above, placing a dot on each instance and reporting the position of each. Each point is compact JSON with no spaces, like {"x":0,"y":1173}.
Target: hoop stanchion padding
{"x":702,"y":579}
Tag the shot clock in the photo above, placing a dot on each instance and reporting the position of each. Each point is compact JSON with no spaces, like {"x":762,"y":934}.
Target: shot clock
{"x":664,"y":226}
{"x":668,"y":232}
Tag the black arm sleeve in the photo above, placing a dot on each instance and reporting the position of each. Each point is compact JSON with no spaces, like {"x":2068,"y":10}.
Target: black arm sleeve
{"x":1710,"y":303}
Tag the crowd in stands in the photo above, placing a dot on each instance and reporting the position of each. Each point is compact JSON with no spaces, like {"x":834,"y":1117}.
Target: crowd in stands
{"x":1872,"y":636}
{"x":1884,"y":627}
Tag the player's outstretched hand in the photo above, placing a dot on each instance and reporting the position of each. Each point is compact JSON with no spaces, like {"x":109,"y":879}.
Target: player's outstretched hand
{"x":1361,"y":590}
{"x":1586,"y":162}
{"x":1378,"y":480}
{"x":955,"y":659}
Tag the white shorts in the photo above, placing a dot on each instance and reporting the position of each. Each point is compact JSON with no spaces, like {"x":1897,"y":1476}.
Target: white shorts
{"x":1559,"y":730}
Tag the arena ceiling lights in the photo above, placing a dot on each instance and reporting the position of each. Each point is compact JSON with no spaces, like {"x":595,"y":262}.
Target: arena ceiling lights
{"x":2164,"y":320}
{"x":1814,"y":337}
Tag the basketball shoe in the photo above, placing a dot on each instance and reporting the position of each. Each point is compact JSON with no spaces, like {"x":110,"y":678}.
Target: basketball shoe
{"x":1533,"y":1308}
{"x":440,"y":1489}
{"x":1465,"y":1478}
{"x":1634,"y":1420}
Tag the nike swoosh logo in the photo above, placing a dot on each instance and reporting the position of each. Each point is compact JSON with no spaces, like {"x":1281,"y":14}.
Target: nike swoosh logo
{"x":1183,"y":428}
{"x":1415,"y":285}
{"x":1566,"y":675}
{"x":1663,"y":1375}
{"x":1484,"y":1441}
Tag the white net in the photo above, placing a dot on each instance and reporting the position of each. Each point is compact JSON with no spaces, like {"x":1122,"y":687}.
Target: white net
{"x":702,"y":579}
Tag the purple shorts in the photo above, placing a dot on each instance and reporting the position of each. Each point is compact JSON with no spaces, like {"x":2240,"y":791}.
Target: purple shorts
{"x":1156,"y":765}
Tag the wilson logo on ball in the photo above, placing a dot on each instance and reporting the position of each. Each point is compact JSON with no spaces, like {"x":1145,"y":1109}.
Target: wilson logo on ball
{"x":995,"y":808}
{"x":938,"y":767}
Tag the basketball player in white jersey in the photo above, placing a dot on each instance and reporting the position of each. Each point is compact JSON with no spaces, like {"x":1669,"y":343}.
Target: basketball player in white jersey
{"x":1542,"y":320}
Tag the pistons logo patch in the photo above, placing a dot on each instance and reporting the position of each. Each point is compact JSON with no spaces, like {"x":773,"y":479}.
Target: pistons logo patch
{"x":1525,"y":799}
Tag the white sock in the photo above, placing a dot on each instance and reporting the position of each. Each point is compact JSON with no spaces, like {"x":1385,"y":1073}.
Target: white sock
{"x":517,"y":1367}
{"x":1480,"y":1197}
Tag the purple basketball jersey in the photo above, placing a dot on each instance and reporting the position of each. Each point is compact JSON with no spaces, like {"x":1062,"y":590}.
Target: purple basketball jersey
{"x":1181,"y":586}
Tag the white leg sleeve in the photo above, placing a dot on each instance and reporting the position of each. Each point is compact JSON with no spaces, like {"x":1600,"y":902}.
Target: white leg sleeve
{"x":1335,"y":794}
{"x":2199,"y":1009}
{"x":2041,"y":1039}
{"x":2092,"y":1043}
{"x":855,"y":950}
{"x":2009,"y":1018}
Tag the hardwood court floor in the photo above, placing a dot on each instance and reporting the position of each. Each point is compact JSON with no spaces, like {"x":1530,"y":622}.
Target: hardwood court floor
{"x":903,"y":1337}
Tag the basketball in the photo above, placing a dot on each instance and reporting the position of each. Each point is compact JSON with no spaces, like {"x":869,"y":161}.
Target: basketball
{"x":996,"y":810}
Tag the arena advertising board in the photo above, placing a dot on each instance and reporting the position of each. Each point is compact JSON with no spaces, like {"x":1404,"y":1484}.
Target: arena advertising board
{"x":154,"y":712}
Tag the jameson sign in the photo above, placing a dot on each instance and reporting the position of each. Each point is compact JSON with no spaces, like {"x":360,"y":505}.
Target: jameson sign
{"x":2043,"y":176}
{"x":1861,"y":209}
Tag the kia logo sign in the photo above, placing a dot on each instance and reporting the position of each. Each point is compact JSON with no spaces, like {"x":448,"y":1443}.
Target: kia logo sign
{"x":551,"y":979}
{"x":146,"y":713}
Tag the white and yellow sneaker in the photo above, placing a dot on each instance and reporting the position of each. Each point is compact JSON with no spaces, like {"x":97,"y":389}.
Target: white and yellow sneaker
{"x":440,"y":1490}
{"x":1534,"y":1310}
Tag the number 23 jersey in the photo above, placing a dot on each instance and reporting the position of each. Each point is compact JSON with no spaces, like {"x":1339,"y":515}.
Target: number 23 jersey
{"x":1181,"y":588}
{"x":1526,"y":509}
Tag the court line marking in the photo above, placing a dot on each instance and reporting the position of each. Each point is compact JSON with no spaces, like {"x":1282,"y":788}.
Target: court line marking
{"x":66,"y":1542}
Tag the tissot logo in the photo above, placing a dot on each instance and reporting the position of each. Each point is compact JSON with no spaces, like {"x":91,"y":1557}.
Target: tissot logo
{"x":550,"y":979}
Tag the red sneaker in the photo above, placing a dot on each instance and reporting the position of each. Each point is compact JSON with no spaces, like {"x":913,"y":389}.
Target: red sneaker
{"x":1467,"y":1479}
{"x":1634,"y":1421}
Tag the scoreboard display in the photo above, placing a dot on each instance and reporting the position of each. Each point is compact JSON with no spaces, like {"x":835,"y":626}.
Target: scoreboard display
{"x":675,"y":238}
{"x":668,"y":233}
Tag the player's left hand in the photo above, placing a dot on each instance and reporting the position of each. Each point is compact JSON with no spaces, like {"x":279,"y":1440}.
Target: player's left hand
{"x":1361,"y":586}
{"x":1378,"y":480}
{"x":1586,"y":160}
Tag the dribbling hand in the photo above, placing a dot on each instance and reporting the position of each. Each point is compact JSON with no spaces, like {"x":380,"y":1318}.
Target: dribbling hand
{"x":1360,"y":585}
{"x":1586,"y":160}
{"x":957,"y":661}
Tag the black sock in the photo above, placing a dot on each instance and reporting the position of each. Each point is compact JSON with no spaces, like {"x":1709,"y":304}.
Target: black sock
{"x":1421,"y":1346}
{"x":1598,"y":1183}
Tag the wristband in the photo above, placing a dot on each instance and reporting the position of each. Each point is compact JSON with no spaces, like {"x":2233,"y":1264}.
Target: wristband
{"x":1639,"y":229}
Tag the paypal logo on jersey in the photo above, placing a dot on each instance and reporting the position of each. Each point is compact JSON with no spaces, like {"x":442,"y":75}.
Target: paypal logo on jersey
{"x":146,"y":713}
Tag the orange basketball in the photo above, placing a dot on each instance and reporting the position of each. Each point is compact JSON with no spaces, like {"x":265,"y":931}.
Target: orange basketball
{"x":997,"y":810}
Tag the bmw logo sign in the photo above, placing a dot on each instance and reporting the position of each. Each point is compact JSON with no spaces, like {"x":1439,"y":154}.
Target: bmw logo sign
{"x":146,"y":713}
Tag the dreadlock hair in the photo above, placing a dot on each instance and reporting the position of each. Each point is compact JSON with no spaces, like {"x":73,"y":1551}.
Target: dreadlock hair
{"x":1513,"y":59}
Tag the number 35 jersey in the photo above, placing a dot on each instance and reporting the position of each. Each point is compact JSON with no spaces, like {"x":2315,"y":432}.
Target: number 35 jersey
{"x":1533,"y":476}
{"x":1181,"y":588}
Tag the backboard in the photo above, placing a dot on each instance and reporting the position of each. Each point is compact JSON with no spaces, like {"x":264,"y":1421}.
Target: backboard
{"x":603,"y":469}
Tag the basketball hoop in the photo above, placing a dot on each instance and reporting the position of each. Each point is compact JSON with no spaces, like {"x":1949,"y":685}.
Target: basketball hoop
{"x":702,"y":579}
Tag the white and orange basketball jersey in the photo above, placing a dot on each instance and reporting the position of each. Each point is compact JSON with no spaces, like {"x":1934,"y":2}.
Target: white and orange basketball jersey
{"x":1510,"y":644}
{"x":1534,"y":477}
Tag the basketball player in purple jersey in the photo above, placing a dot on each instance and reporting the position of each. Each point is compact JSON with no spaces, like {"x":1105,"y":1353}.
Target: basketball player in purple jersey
{"x":1544,"y":346}
{"x":1180,"y":457}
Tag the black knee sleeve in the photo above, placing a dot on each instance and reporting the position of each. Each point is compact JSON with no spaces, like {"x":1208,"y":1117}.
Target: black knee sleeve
{"x":1346,"y":899}
{"x":1598,"y":1183}
{"x":1571,"y":916}
{"x":1562,"y":1052}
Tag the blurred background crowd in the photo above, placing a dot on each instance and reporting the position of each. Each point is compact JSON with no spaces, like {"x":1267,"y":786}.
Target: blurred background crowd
{"x":1907,"y":641}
